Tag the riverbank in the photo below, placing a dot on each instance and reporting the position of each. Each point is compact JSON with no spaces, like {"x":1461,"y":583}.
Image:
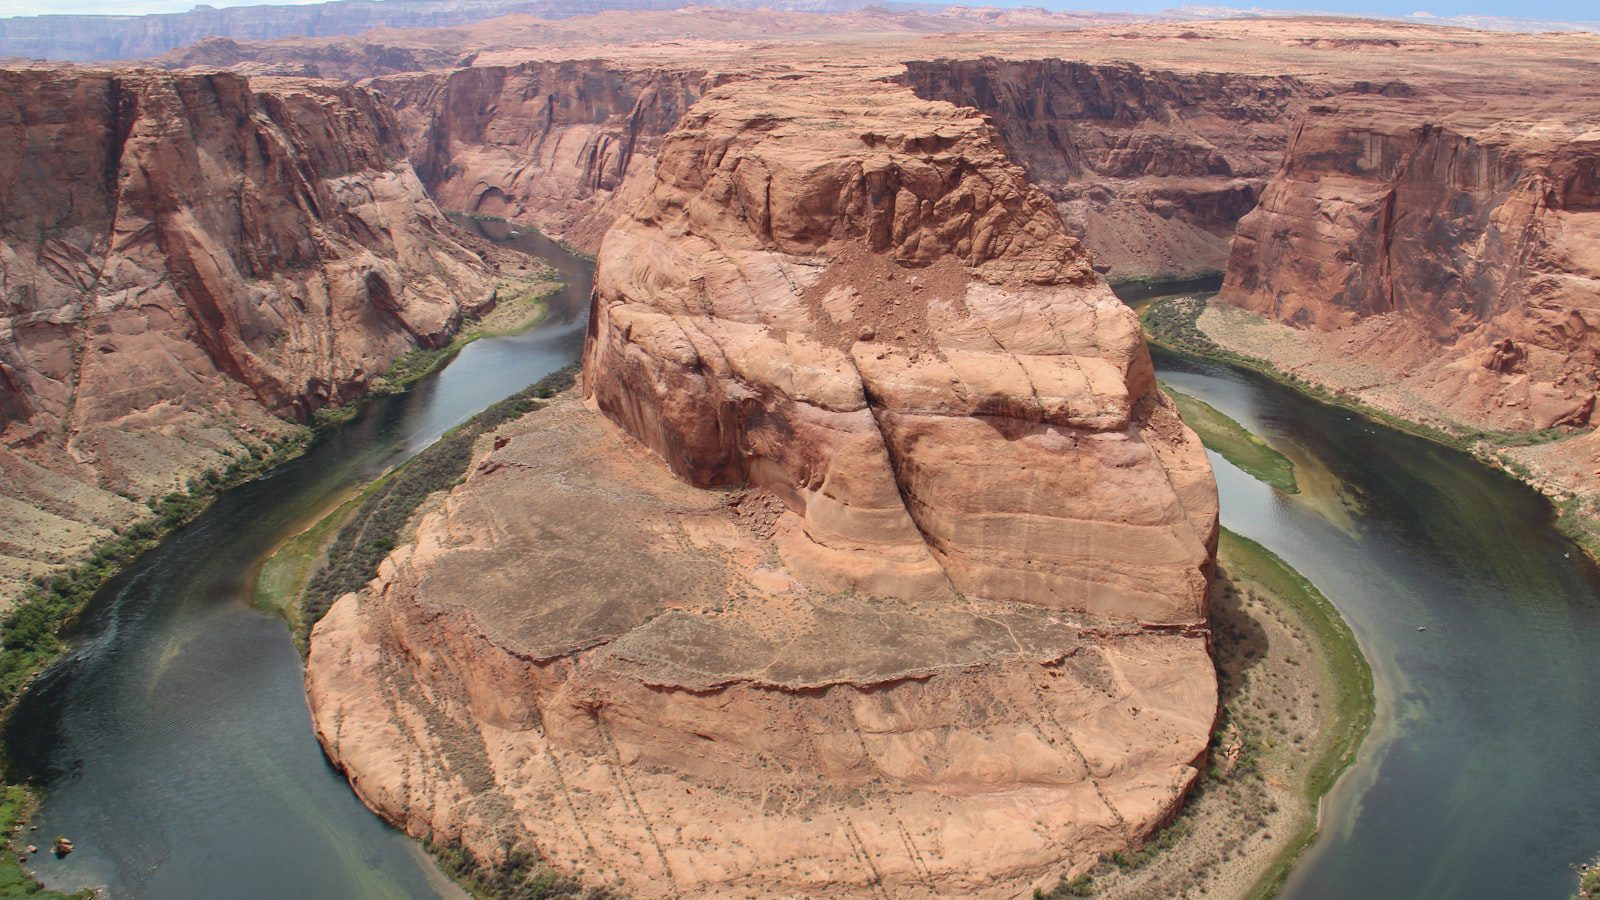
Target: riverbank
{"x":1234,"y":442}
{"x":519,"y":305}
{"x":284,"y":577}
{"x":1297,"y":700}
{"x":32,"y":629}
{"x":341,"y":551}
{"x":1560,"y":464}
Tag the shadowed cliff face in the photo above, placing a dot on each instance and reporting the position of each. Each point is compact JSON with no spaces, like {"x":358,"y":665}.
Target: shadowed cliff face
{"x":1469,"y":240}
{"x":904,"y":556}
{"x":923,"y":268}
{"x":185,"y":257}
{"x":554,"y":144}
{"x":1152,"y":168}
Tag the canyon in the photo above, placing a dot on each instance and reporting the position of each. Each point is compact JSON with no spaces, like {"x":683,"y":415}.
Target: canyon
{"x":869,"y":555}
{"x":736,"y":337}
{"x":1424,"y":233}
{"x":1457,"y":245}
{"x":895,"y":578}
{"x":191,"y":264}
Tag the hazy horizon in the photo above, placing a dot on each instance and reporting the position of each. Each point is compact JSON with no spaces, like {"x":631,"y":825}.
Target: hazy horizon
{"x":1573,"y":11}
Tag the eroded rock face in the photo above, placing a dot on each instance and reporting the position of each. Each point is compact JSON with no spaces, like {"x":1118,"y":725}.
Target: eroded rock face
{"x":1152,"y":167}
{"x":185,"y":258}
{"x":1460,"y":248}
{"x":554,"y":144}
{"x":879,"y":320}
{"x":892,"y":575}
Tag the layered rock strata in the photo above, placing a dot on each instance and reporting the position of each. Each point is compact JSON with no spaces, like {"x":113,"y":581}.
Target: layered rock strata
{"x":1452,"y":252}
{"x":875,"y":561}
{"x":185,"y":259}
{"x":1152,"y":167}
{"x":554,"y":144}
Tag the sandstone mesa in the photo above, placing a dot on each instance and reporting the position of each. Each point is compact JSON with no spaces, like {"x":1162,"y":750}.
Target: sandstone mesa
{"x":902,"y":556}
{"x":948,"y":635}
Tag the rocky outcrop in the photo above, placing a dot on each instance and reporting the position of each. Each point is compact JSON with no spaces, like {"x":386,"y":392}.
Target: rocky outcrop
{"x":1152,"y":168}
{"x":923,"y":608}
{"x":1458,"y":249}
{"x":919,"y":265}
{"x":552,"y":144}
{"x":185,"y":259}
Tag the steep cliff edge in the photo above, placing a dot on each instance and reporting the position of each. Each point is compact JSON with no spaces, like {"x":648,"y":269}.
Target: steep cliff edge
{"x":186,"y":258}
{"x":923,"y":608}
{"x":1152,"y":168}
{"x":1454,"y":252}
{"x":554,"y":144}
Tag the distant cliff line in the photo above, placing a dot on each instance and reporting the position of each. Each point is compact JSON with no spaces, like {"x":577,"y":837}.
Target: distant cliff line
{"x":110,"y":37}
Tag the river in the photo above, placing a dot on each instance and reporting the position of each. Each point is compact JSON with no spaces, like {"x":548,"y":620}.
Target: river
{"x":174,"y":745}
{"x":1481,"y":777}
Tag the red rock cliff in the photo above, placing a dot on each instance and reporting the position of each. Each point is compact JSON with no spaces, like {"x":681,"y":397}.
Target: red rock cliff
{"x":1460,"y":245}
{"x":924,"y":610}
{"x":1152,"y":168}
{"x":552,"y":144}
{"x":183,"y":255}
{"x":851,"y":309}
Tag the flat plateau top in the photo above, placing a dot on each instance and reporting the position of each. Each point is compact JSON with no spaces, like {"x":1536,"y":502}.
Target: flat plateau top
{"x":570,"y":538}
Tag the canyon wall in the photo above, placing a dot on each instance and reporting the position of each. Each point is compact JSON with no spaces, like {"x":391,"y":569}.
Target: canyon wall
{"x":554,"y":144}
{"x":1455,"y":252}
{"x":186,"y":258}
{"x":1152,"y":168}
{"x":905,"y":557}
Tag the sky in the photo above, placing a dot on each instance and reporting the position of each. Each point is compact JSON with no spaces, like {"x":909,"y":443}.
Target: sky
{"x":1558,"y":10}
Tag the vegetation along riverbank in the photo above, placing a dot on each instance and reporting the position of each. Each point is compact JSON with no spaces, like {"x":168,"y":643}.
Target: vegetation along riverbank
{"x":1236,"y":444}
{"x":32,"y":632}
{"x":341,"y":552}
{"x":1198,"y":325}
{"x":519,"y":305}
{"x":1297,"y":701}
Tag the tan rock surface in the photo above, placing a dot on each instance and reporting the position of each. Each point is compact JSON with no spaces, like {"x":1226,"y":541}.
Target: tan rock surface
{"x":186,"y":258}
{"x":925,"y":610}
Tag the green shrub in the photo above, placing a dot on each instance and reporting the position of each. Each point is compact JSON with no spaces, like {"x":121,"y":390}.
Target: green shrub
{"x":1082,"y":886}
{"x":520,"y":874}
